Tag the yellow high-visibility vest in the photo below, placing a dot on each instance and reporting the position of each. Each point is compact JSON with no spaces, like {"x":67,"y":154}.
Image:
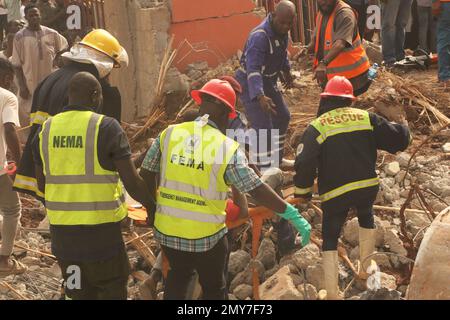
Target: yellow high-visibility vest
{"x":192,"y":194}
{"x":78,"y":191}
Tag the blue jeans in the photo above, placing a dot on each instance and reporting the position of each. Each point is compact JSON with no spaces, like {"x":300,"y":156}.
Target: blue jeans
{"x":443,"y":42}
{"x":427,"y":29}
{"x":395,"y":16}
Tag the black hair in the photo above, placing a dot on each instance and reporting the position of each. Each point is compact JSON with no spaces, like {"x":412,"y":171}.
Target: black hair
{"x":6,"y":67}
{"x":29,"y":7}
{"x":331,"y":103}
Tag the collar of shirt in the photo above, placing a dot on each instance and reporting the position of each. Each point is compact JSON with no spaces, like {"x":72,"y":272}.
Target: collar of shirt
{"x":210,"y":122}
{"x":77,"y":108}
{"x":267,"y":25}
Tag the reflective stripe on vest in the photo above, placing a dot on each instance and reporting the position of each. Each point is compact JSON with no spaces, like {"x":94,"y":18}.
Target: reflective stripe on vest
{"x":256,"y":74}
{"x":191,"y":198}
{"x":303,"y":191}
{"x":341,"y":120}
{"x":352,"y":61}
{"x":27,"y":183}
{"x":38,"y":117}
{"x":268,"y":39}
{"x":349,"y":187}
{"x":78,"y":192}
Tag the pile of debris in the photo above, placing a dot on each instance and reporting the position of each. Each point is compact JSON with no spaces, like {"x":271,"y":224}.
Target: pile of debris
{"x":42,"y":281}
{"x":413,"y":188}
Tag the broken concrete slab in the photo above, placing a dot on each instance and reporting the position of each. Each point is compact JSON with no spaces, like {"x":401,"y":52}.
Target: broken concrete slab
{"x":308,"y":291}
{"x":392,"y":168}
{"x":267,"y":253}
{"x":394,"y":242}
{"x":280,"y":287}
{"x":243,"y":291}
{"x":351,"y":233}
{"x":306,"y":256}
{"x":238,"y":262}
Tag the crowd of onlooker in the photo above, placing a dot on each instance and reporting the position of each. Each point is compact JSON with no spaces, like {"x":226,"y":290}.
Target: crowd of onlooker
{"x":412,"y":24}
{"x":53,"y":14}
{"x":32,"y":40}
{"x":428,"y":23}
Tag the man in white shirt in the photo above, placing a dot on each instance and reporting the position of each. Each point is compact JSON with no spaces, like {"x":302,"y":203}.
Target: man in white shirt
{"x":9,"y":200}
{"x":35,"y":49}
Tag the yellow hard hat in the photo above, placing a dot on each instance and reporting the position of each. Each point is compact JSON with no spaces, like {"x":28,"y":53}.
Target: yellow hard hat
{"x":103,"y":41}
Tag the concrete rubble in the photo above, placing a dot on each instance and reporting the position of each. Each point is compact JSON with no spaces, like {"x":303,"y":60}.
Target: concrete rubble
{"x":297,"y":275}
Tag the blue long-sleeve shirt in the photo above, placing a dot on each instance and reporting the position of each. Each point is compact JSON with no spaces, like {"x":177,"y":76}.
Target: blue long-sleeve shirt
{"x":264,"y":57}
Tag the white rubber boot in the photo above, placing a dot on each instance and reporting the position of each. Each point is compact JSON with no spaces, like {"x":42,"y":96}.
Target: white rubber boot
{"x":331,"y":274}
{"x":366,"y":248}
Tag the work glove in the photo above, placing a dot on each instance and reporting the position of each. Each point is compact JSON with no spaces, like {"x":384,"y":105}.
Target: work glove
{"x":303,"y":227}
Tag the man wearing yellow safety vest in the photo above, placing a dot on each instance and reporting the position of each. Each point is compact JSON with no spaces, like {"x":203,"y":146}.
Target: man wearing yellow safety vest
{"x":340,"y":147}
{"x":98,"y":53}
{"x":196,"y":163}
{"x":337,"y":46}
{"x":80,"y":156}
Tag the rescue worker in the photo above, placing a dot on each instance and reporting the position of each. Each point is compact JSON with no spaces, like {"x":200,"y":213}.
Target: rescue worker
{"x":337,"y":46}
{"x":196,"y":163}
{"x":81,"y":159}
{"x":341,"y":145}
{"x":98,"y":53}
{"x":263,"y":62}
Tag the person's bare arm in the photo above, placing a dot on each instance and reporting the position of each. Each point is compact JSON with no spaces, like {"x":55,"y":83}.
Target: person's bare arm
{"x":240,"y":200}
{"x":12,"y":141}
{"x":9,"y":48}
{"x":336,"y":49}
{"x":150,"y":179}
{"x":134,"y":184}
{"x":23,"y":88}
{"x":268,"y":198}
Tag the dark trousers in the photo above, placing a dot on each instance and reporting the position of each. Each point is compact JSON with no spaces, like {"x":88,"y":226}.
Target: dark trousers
{"x":363,"y":89}
{"x":210,"y":266}
{"x":334,"y":221}
{"x":100,"y":280}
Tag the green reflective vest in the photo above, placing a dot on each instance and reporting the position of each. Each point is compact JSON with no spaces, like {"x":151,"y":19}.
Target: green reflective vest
{"x":78,"y":191}
{"x":192,"y":193}
{"x":338,"y":121}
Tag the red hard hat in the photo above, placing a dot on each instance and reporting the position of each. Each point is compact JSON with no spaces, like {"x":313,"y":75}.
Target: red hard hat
{"x":221,"y":90}
{"x":233,"y":82}
{"x":339,"y":87}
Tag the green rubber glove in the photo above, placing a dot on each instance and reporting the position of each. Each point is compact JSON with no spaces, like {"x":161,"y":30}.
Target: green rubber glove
{"x":300,"y":224}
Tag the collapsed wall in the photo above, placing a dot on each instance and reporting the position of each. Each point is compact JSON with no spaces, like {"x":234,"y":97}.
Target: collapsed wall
{"x":142,"y":28}
{"x":210,"y":31}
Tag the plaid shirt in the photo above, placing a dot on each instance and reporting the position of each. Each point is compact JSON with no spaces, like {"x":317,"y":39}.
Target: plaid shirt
{"x":237,"y":174}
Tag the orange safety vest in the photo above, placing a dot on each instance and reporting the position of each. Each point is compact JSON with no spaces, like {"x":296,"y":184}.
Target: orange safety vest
{"x":352,"y":61}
